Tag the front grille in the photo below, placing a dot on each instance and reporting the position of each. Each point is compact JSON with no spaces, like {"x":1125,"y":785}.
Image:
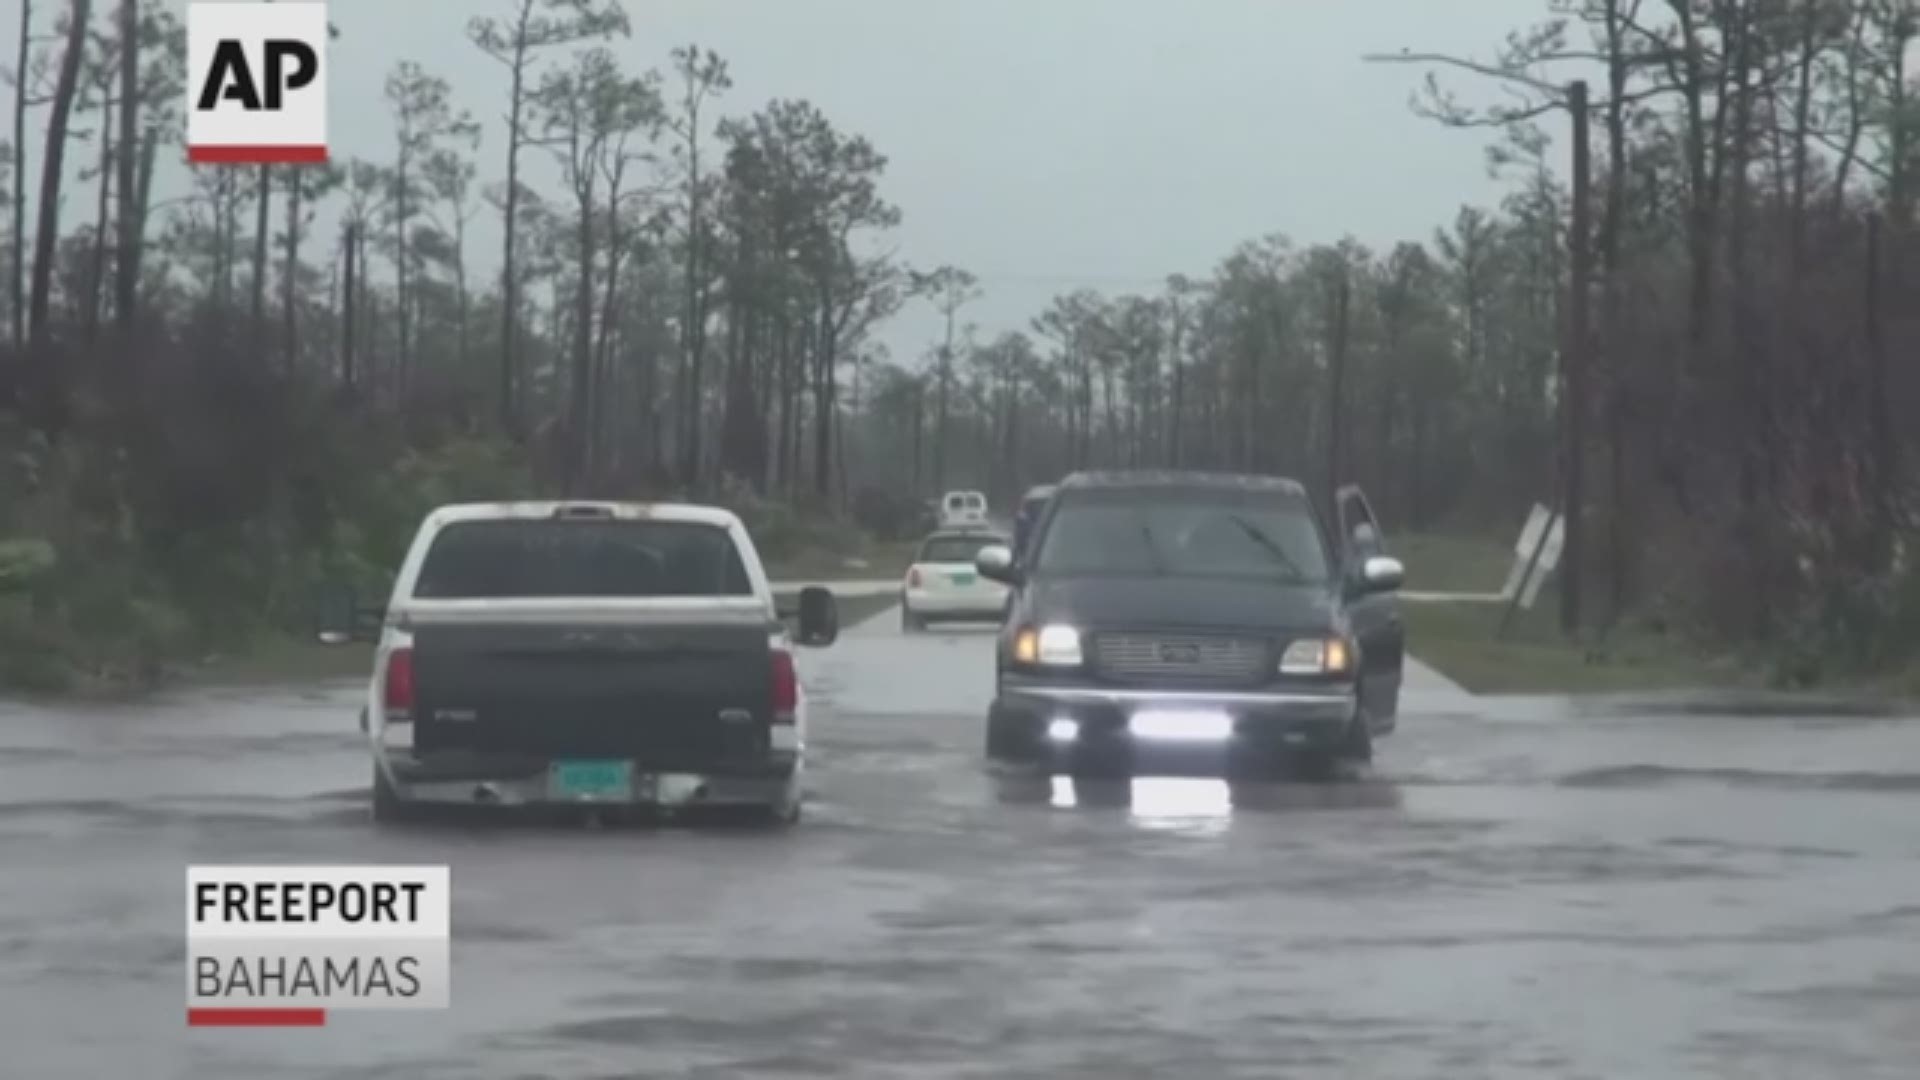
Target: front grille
{"x":1187,"y":659}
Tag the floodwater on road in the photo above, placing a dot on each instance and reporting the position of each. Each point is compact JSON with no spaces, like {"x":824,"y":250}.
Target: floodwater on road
{"x":1519,"y":887}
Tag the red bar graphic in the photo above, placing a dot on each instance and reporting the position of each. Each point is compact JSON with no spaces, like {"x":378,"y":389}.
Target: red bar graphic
{"x":257,"y":155}
{"x":256,"y":1017}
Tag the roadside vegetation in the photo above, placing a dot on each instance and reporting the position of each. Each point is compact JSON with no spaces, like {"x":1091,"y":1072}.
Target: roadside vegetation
{"x":222,"y":386}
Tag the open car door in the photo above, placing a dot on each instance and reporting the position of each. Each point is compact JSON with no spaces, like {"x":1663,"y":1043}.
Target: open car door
{"x":1376,"y":618}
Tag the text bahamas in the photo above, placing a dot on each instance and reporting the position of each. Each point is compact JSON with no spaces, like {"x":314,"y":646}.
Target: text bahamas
{"x":304,"y":976}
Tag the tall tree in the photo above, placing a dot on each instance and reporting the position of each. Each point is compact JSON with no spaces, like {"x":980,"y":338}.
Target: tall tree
{"x":126,"y":265}
{"x":951,"y":289}
{"x":48,"y":377}
{"x":423,"y":116}
{"x":702,"y":75}
{"x":534,"y":27}
{"x":586,"y":114}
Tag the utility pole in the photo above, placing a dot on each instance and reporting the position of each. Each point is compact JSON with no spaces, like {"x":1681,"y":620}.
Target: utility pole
{"x":1337,"y":386}
{"x":1576,"y":346}
{"x":1574,"y":363}
{"x":348,"y":293}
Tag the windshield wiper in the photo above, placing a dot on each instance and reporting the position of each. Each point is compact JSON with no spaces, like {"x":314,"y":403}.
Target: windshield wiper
{"x":1292,"y":568}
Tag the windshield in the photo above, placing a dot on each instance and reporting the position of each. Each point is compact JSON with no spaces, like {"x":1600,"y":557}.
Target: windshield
{"x":608,"y":559}
{"x":1223,"y":534}
{"x":956,"y":549}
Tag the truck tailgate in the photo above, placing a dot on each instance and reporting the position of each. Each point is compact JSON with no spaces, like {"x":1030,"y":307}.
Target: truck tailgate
{"x":670,"y":696}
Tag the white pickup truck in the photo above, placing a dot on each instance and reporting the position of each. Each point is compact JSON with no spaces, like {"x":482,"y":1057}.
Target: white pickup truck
{"x":615,"y":656}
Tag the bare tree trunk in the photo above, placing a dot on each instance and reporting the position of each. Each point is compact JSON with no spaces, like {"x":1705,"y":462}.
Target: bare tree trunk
{"x":1884,"y":452}
{"x":462,"y":295}
{"x":126,"y":293}
{"x":823,"y":401}
{"x":49,"y":379}
{"x":262,"y":233}
{"x":581,"y":463}
{"x":509,"y":270}
{"x":19,"y":275}
{"x":95,"y":299}
{"x":290,"y":274}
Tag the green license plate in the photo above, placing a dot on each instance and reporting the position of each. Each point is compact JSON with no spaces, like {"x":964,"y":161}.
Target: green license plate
{"x":960,"y":579}
{"x":591,"y":781}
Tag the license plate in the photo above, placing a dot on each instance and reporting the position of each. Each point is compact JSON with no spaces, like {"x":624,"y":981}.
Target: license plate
{"x":961,"y":579}
{"x":591,"y":781}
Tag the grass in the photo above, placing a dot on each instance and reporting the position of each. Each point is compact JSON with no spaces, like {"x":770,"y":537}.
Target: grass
{"x":282,"y":659}
{"x":1437,"y":563}
{"x":1463,"y":640}
{"x":874,"y":561}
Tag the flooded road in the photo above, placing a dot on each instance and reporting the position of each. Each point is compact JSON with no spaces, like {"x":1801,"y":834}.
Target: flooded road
{"x":1516,"y":889}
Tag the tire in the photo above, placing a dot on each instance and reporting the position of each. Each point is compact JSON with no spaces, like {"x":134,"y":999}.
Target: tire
{"x":1006,"y":742}
{"x":783,"y":817}
{"x":784,"y":814}
{"x":388,"y":806}
{"x":909,"y":622}
{"x":1356,"y":747}
{"x":1331,"y":762}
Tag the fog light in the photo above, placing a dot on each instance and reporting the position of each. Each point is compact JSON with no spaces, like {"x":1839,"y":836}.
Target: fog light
{"x":1063,"y":730}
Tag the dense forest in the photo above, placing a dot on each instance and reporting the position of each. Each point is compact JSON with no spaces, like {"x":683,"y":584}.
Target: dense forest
{"x":1687,"y":331}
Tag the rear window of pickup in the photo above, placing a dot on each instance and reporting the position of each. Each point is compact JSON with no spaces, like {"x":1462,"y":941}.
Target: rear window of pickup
{"x":519,"y":559}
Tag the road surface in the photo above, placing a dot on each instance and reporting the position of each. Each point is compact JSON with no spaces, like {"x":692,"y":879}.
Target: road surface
{"x":1518,"y":889}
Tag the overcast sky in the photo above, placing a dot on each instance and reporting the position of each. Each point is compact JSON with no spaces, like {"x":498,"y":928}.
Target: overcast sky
{"x":1044,"y":145}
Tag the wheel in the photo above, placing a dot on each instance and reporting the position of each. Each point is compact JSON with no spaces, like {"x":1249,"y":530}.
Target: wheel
{"x":388,"y":806}
{"x":1354,"y":748}
{"x":1357,"y":746}
{"x":774,"y":815}
{"x":1006,"y":741}
{"x":909,"y":622}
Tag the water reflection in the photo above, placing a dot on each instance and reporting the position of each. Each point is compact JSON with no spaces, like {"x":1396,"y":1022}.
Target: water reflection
{"x":1186,"y":802}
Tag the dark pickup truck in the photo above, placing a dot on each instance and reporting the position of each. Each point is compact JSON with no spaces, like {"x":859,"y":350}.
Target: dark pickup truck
{"x":614,"y":656}
{"x":1186,"y":610}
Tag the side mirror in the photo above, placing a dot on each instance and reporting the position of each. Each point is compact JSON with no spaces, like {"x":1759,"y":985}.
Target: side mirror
{"x":1380,"y":573}
{"x":995,"y":563}
{"x":339,"y":619}
{"x":819,"y":617}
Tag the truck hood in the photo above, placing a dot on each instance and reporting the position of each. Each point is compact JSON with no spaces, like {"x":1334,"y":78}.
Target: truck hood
{"x":1186,"y":603}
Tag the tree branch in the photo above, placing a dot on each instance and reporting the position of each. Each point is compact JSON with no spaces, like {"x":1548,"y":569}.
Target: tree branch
{"x":1474,"y":66}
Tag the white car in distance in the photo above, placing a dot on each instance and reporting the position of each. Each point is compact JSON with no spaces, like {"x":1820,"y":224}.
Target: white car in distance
{"x":942,"y":585}
{"x":961,"y":509}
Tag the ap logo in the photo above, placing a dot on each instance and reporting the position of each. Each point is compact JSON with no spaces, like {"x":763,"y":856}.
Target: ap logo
{"x":256,"y":83}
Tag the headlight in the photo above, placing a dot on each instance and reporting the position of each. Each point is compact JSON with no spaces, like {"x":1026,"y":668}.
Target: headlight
{"x":1317,"y":656}
{"x":1052,"y":646}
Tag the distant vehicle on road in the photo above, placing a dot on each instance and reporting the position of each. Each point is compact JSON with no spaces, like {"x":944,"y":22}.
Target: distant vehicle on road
{"x":607,"y":655}
{"x":1166,"y":609}
{"x":1032,"y":505}
{"x":962,"y":508}
{"x":944,"y":585}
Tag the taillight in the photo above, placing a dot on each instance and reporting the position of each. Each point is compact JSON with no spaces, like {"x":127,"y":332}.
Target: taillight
{"x":913,"y":578}
{"x":786,"y":687}
{"x":399,"y":680}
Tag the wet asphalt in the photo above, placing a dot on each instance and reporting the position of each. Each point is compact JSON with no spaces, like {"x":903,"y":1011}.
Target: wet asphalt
{"x":1518,"y":887}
